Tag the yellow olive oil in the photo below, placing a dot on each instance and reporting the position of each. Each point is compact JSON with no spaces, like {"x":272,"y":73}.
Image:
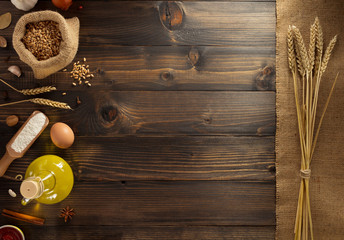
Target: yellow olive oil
{"x":54,"y":175}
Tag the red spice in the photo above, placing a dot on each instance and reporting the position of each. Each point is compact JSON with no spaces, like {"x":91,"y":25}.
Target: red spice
{"x":10,"y":233}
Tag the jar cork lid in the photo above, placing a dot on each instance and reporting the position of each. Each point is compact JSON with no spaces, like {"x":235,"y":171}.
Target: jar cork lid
{"x":30,"y":189}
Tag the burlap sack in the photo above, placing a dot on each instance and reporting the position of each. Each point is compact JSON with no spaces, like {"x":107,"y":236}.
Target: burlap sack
{"x":69,"y":46}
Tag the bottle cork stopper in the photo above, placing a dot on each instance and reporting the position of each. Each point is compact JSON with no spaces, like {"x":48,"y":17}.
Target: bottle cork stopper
{"x":30,"y":189}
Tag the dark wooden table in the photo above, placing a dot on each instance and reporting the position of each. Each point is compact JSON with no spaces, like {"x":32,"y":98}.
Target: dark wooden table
{"x":175,"y":138}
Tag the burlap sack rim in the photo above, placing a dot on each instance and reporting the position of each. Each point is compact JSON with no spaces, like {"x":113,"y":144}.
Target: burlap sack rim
{"x":26,"y":56}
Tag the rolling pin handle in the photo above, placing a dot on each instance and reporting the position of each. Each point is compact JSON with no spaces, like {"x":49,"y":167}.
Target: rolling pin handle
{"x":5,"y":162}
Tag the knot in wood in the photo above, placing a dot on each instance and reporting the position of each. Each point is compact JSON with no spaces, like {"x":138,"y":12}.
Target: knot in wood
{"x":194,"y":56}
{"x":109,"y":113}
{"x":166,"y":76}
{"x":171,"y":15}
{"x":208,"y":120}
{"x":267,"y":70}
{"x":265,"y":79}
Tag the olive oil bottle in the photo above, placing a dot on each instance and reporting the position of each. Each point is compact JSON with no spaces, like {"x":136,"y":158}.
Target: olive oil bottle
{"x":48,"y":179}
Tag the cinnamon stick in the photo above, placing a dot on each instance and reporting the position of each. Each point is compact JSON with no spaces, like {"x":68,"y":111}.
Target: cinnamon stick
{"x":22,"y":217}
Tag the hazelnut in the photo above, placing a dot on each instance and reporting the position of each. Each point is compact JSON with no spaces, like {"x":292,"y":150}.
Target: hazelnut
{"x":12,"y":120}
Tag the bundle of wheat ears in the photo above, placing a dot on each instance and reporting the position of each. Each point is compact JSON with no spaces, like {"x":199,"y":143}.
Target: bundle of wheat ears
{"x":307,"y":69}
{"x":36,"y":91}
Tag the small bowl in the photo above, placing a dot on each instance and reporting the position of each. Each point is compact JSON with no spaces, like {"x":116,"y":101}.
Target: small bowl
{"x":16,"y":229}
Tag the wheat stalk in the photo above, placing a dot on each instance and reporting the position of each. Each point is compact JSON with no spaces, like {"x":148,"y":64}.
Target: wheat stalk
{"x":51,"y":103}
{"x":306,"y":111}
{"x":320,"y":37}
{"x":291,"y":51}
{"x":41,"y":101}
{"x":302,"y":49}
{"x":311,"y":50}
{"x":33,"y":91}
{"x":299,"y":62}
{"x":327,"y":54}
{"x":319,"y":46}
{"x":36,"y":91}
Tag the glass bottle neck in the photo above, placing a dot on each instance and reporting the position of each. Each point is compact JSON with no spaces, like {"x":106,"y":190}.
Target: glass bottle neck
{"x":34,"y":187}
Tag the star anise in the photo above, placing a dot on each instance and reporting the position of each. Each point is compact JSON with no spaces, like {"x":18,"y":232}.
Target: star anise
{"x":67,"y":213}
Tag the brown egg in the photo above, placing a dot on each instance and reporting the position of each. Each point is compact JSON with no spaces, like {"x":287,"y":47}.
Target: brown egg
{"x":62,"y":135}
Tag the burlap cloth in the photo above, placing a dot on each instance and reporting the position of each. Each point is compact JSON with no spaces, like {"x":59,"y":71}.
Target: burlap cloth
{"x":327,"y":180}
{"x":69,"y":46}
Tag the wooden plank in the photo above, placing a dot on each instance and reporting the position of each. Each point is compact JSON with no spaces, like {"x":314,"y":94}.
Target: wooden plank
{"x":163,"y":68}
{"x":108,"y":113}
{"x":169,"y":23}
{"x":149,"y":232}
{"x":78,"y":3}
{"x":168,"y":203}
{"x":161,"y":158}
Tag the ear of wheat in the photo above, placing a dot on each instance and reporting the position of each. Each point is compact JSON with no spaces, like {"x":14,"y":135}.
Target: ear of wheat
{"x":33,"y":91}
{"x":310,"y":65}
{"x":51,"y":103}
{"x":41,"y":101}
{"x":319,"y":43}
{"x":36,"y":91}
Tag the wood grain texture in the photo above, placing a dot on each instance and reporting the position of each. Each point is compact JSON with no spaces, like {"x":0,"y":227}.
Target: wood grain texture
{"x":160,"y":158}
{"x":78,"y":3}
{"x":158,"y":203}
{"x":150,"y":232}
{"x":141,"y":23}
{"x":175,"y":138}
{"x":178,"y":112}
{"x":162,"y":68}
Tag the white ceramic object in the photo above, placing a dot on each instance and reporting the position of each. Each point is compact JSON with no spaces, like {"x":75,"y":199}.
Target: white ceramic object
{"x":24,"y":5}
